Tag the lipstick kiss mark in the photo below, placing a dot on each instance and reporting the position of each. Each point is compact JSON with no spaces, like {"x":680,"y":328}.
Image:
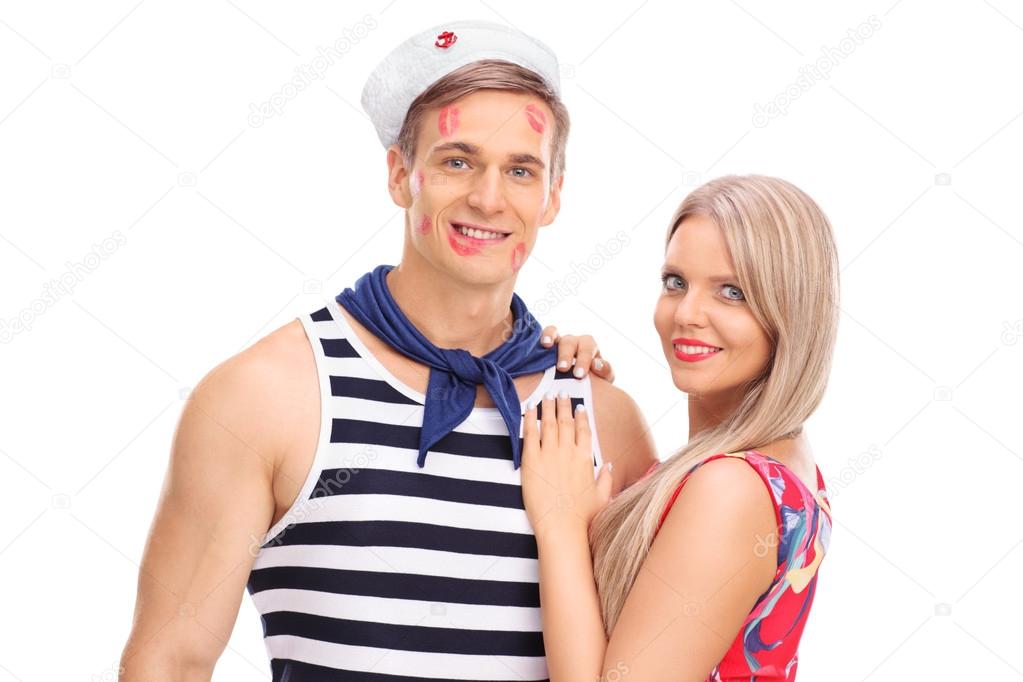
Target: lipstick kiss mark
{"x":518,"y":256}
{"x":417,"y":183}
{"x":537,"y":119}
{"x":448,"y":121}
{"x":461,"y":249}
{"x":425,"y":224}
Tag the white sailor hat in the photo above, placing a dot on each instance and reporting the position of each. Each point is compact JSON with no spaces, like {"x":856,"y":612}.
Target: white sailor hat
{"x":424,"y":58}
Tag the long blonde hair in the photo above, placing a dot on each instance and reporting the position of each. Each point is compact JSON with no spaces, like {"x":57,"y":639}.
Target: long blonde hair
{"x":786,"y":264}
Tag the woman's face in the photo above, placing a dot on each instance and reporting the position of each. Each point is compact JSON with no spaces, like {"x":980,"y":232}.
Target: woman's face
{"x":700,"y":302}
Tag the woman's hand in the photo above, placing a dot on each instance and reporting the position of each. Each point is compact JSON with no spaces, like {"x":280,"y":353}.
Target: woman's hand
{"x":558,"y":487}
{"x":580,"y":349}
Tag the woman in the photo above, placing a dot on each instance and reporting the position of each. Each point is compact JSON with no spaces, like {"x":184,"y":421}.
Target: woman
{"x":705,"y":568}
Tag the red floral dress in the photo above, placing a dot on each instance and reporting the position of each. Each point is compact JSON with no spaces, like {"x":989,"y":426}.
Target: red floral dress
{"x":765,"y":648}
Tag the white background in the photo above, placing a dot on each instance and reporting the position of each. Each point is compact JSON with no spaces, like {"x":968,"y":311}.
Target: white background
{"x":132,"y":119}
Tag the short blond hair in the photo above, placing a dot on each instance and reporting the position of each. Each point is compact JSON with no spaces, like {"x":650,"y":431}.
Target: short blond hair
{"x":486,"y":74}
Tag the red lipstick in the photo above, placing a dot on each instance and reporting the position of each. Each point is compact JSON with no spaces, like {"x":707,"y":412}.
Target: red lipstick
{"x":693,"y":357}
{"x":465,"y":245}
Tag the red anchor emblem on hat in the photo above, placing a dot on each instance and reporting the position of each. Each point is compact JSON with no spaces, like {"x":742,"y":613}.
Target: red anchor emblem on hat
{"x":446,"y":40}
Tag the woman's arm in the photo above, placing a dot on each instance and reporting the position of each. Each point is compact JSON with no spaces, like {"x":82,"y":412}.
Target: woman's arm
{"x":714,"y":557}
{"x":704,"y":572}
{"x":573,"y":630}
{"x":561,"y":497}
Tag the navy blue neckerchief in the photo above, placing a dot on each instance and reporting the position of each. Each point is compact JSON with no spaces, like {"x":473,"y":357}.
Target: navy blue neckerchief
{"x":454,"y":373}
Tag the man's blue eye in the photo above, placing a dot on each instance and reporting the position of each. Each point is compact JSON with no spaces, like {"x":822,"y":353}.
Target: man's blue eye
{"x":456,"y":161}
{"x":522,"y":172}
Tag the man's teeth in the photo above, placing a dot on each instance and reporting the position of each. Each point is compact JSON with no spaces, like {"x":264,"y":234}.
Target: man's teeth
{"x":478,"y":234}
{"x":695,"y":350}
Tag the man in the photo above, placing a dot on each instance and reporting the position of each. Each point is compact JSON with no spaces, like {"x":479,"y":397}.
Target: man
{"x":367,"y":494}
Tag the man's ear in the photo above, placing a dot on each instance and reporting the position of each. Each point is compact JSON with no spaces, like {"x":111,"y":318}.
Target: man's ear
{"x":398,"y":177}
{"x":553,"y":202}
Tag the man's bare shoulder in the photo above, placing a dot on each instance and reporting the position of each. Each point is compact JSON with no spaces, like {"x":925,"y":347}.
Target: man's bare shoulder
{"x":609,"y":394}
{"x":280,"y":351}
{"x":262,"y":391}
{"x":268,"y":363}
{"x":625,"y":438}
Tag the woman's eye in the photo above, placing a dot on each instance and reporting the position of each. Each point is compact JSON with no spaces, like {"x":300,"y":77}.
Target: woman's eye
{"x":738,"y":291}
{"x":668,"y":280}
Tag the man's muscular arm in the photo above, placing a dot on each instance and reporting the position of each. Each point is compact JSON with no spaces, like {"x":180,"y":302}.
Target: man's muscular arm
{"x":216,"y":504}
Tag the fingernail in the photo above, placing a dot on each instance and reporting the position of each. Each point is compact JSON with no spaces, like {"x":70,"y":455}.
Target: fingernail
{"x":578,"y":372}
{"x":563,"y":394}
{"x":563,"y":364}
{"x":580,"y":408}
{"x":546,"y":339}
{"x":549,"y":396}
{"x":598,"y":364}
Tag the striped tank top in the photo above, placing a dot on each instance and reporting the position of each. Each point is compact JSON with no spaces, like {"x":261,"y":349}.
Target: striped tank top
{"x":385,"y":571}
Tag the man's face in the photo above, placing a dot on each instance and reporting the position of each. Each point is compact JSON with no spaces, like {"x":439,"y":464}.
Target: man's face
{"x":480,"y":187}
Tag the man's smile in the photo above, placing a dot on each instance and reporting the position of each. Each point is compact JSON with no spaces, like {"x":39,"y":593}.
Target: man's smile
{"x":477,"y":234}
